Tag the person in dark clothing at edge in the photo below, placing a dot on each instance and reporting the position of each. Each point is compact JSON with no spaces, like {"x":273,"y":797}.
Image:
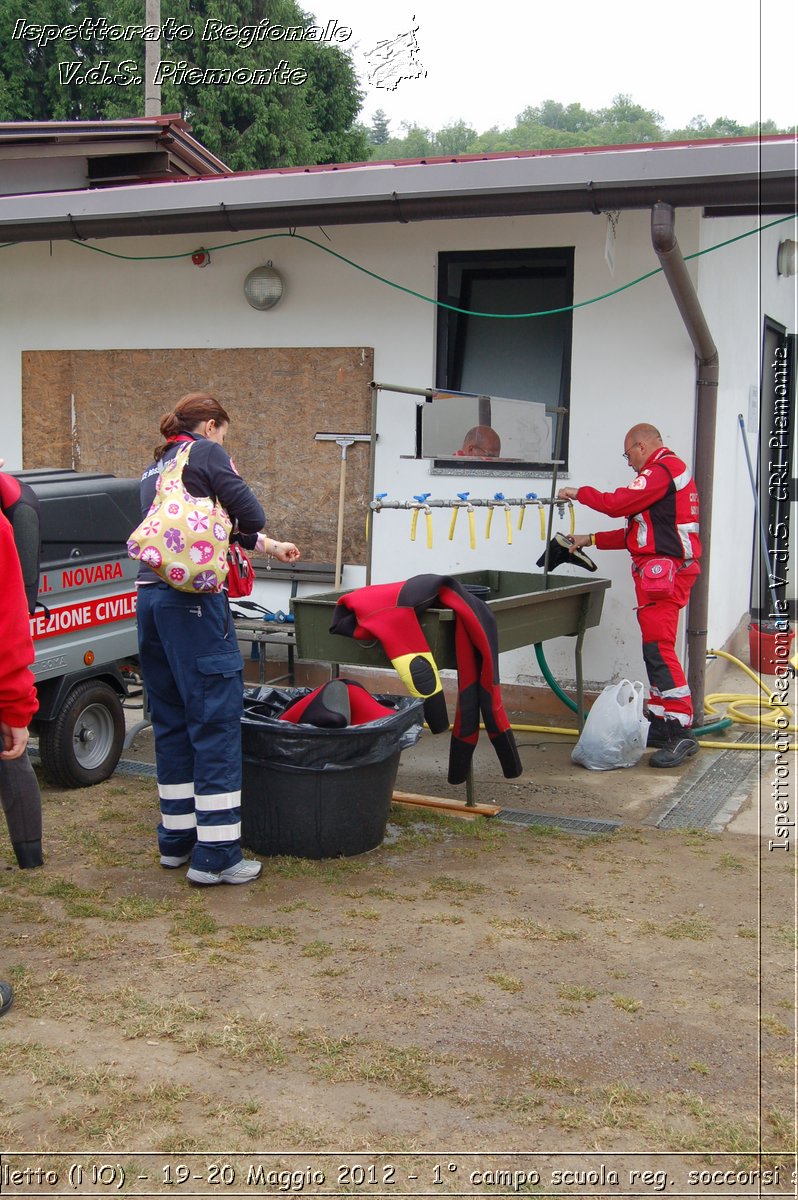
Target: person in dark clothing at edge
{"x":192,"y":667}
{"x":661,"y":510}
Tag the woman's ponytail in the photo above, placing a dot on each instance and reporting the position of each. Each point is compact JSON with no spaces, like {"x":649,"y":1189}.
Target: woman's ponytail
{"x":191,"y":411}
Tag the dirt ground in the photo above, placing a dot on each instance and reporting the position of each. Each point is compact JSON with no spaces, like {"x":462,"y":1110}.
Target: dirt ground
{"x":469,"y":999}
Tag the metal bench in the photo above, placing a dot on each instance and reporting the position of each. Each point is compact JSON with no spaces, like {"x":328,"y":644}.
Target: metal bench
{"x":259,"y":632}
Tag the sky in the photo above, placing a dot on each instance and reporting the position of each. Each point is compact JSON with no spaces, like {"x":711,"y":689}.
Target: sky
{"x":713,"y":58}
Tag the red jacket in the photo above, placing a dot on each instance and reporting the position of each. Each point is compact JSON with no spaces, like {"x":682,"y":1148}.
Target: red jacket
{"x":18,"y":700}
{"x":661,"y":510}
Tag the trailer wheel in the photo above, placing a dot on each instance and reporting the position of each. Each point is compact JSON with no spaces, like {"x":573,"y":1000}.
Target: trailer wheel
{"x":83,"y":744}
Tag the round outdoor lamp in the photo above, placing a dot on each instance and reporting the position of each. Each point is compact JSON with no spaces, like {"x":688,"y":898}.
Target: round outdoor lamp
{"x":786,"y":260}
{"x":263,"y":287}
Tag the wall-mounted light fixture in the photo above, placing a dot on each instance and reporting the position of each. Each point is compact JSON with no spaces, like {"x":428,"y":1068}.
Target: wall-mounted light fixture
{"x":786,"y":260}
{"x":263,"y":287}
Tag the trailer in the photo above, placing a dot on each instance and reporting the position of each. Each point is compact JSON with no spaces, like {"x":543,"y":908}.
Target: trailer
{"x":84,"y":627}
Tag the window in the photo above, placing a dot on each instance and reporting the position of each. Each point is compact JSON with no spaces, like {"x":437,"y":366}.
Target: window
{"x":526,"y":359}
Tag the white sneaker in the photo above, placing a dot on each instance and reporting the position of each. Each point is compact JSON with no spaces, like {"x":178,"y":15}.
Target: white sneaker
{"x":243,"y":872}
{"x":171,"y":861}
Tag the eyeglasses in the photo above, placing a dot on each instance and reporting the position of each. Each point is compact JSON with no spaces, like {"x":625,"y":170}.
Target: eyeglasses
{"x":626,"y":453}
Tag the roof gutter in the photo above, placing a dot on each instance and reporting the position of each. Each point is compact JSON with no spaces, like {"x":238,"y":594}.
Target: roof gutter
{"x":663,"y":237}
{"x":726,"y":177}
{"x":390,"y":208}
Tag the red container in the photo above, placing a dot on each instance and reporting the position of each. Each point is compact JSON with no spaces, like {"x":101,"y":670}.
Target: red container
{"x":770,"y":651}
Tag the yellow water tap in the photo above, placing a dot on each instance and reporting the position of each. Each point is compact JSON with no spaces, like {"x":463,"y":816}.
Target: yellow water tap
{"x":463,"y":497}
{"x":529,"y":496}
{"x":499,"y":497}
{"x":417,"y":508}
{"x":472,"y":528}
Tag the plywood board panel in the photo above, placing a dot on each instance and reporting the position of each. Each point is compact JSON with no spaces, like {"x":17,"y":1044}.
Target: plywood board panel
{"x":99,"y":410}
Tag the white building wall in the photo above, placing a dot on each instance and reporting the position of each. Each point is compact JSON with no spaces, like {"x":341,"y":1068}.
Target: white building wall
{"x":631,"y":361}
{"x":738,"y":287}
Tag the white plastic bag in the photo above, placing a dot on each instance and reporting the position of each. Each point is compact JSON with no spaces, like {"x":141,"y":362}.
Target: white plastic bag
{"x":615,"y":731}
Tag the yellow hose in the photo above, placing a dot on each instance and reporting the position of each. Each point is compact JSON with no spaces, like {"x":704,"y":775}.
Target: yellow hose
{"x":542,"y":514}
{"x":472,"y":529}
{"x":455,"y":511}
{"x":707,"y":745}
{"x":489,"y":522}
{"x":572,"y":526}
{"x":509,"y":523}
{"x":775,"y":710}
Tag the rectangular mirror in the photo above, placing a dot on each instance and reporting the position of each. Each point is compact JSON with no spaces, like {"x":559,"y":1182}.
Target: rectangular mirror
{"x":459,"y":425}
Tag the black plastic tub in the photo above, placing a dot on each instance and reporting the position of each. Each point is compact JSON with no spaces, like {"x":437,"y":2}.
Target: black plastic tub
{"x":480,"y":590}
{"x":319,"y":793}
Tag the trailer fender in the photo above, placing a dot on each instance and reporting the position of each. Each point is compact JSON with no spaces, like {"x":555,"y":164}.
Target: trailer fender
{"x":53,"y":692}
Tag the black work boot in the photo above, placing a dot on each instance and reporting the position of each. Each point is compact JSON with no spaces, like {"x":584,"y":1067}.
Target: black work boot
{"x":29,"y":854}
{"x":659,"y":731}
{"x":678,"y":743}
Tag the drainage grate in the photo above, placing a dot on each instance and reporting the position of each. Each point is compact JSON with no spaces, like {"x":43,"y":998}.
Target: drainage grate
{"x":125,"y":766}
{"x":129,"y":766}
{"x":710,"y":801}
{"x":567,"y":824}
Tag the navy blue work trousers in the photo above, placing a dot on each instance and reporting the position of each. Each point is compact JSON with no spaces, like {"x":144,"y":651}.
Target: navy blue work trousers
{"x":193,"y":673}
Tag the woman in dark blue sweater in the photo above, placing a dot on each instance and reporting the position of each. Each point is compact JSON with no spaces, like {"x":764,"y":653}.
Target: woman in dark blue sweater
{"x":192,"y":667}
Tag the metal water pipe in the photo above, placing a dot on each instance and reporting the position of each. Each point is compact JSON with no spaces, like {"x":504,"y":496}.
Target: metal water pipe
{"x":663,"y":237}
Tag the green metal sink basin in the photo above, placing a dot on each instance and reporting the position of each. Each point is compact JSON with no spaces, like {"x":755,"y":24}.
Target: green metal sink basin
{"x":528,"y":608}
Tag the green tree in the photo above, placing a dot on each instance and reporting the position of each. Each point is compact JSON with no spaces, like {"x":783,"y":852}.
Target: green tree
{"x":571,"y":118}
{"x":624,"y":122}
{"x":248,"y":125}
{"x":416,"y":143}
{"x":31,"y":89}
{"x":380,"y":128}
{"x":699,"y":127}
{"x":457,"y":138}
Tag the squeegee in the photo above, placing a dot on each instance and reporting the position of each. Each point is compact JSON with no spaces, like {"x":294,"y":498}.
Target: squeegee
{"x":344,"y":440}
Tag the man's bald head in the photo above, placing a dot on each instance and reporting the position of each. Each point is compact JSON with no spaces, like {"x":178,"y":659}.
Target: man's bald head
{"x":640,"y":443}
{"x":482,"y":442}
{"x":648,"y":434}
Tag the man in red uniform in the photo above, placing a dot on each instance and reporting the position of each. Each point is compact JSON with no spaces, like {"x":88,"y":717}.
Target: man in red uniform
{"x":18,"y":700}
{"x":661,"y":534}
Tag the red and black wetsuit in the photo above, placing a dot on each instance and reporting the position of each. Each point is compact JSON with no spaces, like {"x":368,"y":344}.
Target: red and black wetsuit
{"x":390,"y":612}
{"x":661,"y":510}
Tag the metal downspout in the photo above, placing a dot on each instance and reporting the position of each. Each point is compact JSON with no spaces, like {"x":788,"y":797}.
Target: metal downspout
{"x":663,"y":237}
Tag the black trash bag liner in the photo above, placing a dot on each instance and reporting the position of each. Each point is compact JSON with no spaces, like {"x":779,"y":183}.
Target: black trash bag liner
{"x":265,"y":737}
